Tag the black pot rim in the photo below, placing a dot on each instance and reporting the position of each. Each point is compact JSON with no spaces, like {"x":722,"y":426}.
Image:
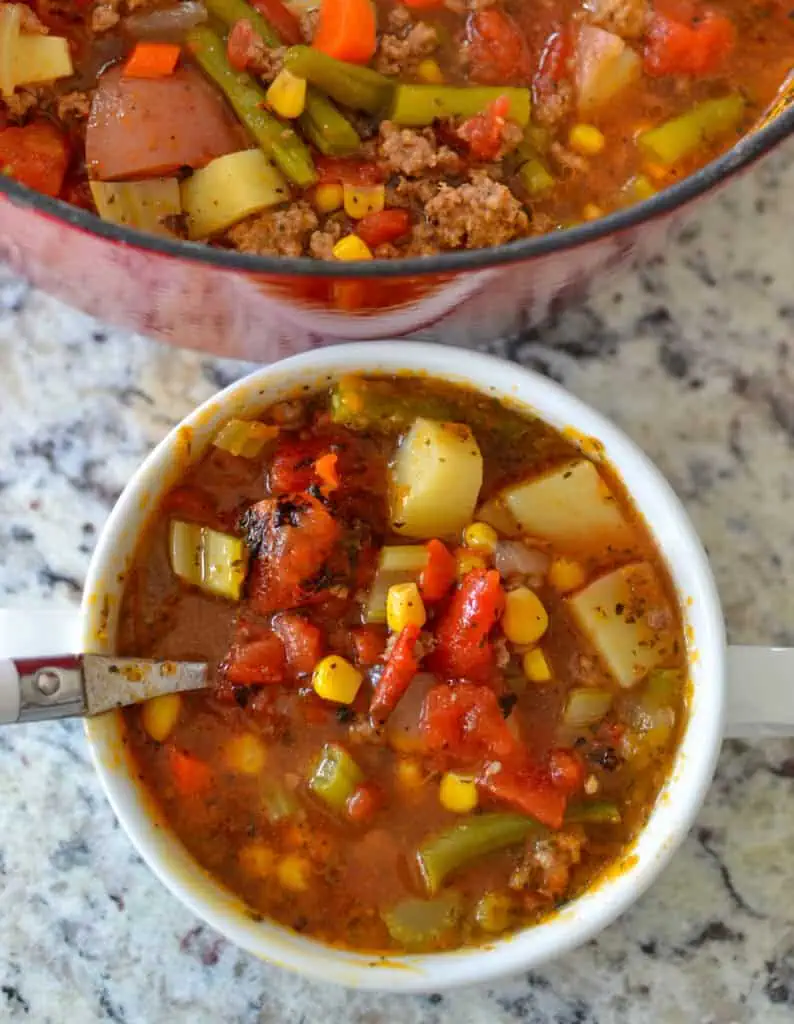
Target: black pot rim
{"x":748,"y":149}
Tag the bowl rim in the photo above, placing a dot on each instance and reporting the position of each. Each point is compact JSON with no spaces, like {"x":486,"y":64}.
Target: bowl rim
{"x":695,"y":761}
{"x":749,"y":148}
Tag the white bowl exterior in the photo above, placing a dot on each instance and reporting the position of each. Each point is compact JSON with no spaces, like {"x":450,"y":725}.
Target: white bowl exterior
{"x":677,"y":805}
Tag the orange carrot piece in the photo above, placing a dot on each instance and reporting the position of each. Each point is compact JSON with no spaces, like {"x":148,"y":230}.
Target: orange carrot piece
{"x":191,"y":775}
{"x":326,"y":469}
{"x":152,"y":60}
{"x":346,"y":30}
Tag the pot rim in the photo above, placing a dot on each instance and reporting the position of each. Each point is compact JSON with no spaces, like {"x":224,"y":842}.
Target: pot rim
{"x":748,"y":149}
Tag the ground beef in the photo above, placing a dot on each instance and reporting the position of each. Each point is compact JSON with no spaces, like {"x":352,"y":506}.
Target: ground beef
{"x":567,"y":161}
{"x":74,"y":106}
{"x":387,"y":251}
{"x":400,"y":54}
{"x":481,"y":213}
{"x":105,"y":16}
{"x":20,"y":103}
{"x":626,"y":18}
{"x":322,"y":242}
{"x":308,"y":20}
{"x":551,"y":107}
{"x":398,"y":19}
{"x":410,"y":194}
{"x":413,"y":152}
{"x":275,"y":232}
{"x":265,"y":61}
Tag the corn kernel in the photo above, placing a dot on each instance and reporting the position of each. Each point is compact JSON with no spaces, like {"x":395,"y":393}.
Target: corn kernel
{"x":457,"y":793}
{"x":335,"y":679}
{"x":246,"y":754}
{"x":256,"y":859}
{"x":536,"y":667}
{"x":640,"y":187}
{"x":409,"y":773}
{"x":361,"y":200}
{"x":525,"y":620}
{"x":159,"y":715}
{"x":481,"y":537}
{"x":466,"y":560}
{"x":351,"y":248}
{"x":566,"y":575}
{"x":294,"y":872}
{"x":590,"y":211}
{"x":287,"y":94}
{"x":328,"y":198}
{"x":586,"y":139}
{"x":404,"y":607}
{"x":429,"y":71}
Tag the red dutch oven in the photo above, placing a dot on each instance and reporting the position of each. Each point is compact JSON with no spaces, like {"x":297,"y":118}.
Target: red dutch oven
{"x":263,"y":308}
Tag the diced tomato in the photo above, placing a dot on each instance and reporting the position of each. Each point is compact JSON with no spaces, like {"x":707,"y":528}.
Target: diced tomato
{"x":36,"y":155}
{"x":295,"y":536}
{"x":364,"y":803}
{"x":292,"y":467}
{"x":287,"y":26}
{"x":302,"y":640}
{"x":498,"y":51}
{"x":191,"y":775}
{"x":368,"y":644}
{"x":484,"y":131}
{"x":438,"y":575}
{"x":553,"y":64}
{"x":400,"y":668}
{"x":463,"y":649}
{"x":190,"y":503}
{"x":465,"y":722}
{"x":240,"y":43}
{"x":566,"y":771}
{"x":528,"y":790}
{"x":423,"y":5}
{"x":256,"y":662}
{"x":688,"y":48}
{"x":332,"y":170}
{"x":387,"y":226}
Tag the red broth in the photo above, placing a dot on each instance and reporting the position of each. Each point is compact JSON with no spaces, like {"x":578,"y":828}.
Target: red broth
{"x":449,"y":671}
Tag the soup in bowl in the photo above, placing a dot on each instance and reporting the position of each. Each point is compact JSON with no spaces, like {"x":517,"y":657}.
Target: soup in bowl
{"x":467,"y":666}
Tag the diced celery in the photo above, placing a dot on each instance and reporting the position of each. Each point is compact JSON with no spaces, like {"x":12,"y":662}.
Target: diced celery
{"x":586,"y":705}
{"x":334,"y":777}
{"x":145,"y":205}
{"x":418,"y":923}
{"x":213,"y":562}
{"x":535,"y":178}
{"x":280,"y":803}
{"x":244,"y":437}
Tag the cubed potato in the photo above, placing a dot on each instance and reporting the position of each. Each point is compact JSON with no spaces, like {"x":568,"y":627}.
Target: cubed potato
{"x":627,"y":617}
{"x":435,"y":480}
{"x":570,"y":505}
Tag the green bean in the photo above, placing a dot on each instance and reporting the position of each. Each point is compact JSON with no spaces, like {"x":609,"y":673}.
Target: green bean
{"x":327,"y":129}
{"x":444,"y":853}
{"x":593,"y":812}
{"x":357,"y":87}
{"x":535,"y":178}
{"x":231,"y":11}
{"x":276,"y":139}
{"x":672,"y":141}
{"x":419,"y":105}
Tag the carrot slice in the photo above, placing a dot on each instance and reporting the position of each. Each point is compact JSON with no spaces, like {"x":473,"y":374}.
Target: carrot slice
{"x":326,"y":469}
{"x":152,"y":60}
{"x":191,"y":776}
{"x":438,"y":575}
{"x":346,"y":30}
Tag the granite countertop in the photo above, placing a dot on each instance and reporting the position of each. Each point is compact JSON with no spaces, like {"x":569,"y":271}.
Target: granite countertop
{"x":692,"y":355}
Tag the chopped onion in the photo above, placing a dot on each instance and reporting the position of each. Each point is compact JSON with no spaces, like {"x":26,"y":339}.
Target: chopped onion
{"x":404,"y":730}
{"x":515,"y":558}
{"x":169,"y":24}
{"x":586,"y":706}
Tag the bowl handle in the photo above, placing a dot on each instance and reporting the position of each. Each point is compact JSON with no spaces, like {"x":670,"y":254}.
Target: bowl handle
{"x":760,"y":692}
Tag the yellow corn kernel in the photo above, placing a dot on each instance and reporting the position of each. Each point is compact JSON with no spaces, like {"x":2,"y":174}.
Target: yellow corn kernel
{"x":287,"y":94}
{"x":160,"y":714}
{"x":536,"y":667}
{"x":590,"y":211}
{"x":409,"y":773}
{"x":361,"y":200}
{"x":294,"y":872}
{"x":525,"y":620}
{"x":429,"y":71}
{"x":586,"y":139}
{"x":466,"y":560}
{"x":640,"y":187}
{"x":566,"y":575}
{"x":335,"y":679}
{"x":256,"y":859}
{"x":246,"y":754}
{"x":481,"y":537}
{"x":457,"y":793}
{"x":328,"y":198}
{"x":351,"y":248}
{"x":404,"y":607}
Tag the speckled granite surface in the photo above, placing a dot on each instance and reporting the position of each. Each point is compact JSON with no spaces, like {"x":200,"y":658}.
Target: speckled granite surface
{"x":693,"y":356}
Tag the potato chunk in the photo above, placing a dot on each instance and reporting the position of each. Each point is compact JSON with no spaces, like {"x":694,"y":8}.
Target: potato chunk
{"x":435,"y":480}
{"x":628,"y":619}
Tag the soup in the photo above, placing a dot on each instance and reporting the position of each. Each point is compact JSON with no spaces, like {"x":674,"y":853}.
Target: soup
{"x":354,"y":129}
{"x":448,"y":668}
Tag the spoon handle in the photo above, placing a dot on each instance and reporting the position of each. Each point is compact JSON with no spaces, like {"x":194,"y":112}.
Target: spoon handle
{"x":760,"y":697}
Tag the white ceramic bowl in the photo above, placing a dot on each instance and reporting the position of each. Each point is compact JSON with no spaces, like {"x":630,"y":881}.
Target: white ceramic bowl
{"x":676,"y":807}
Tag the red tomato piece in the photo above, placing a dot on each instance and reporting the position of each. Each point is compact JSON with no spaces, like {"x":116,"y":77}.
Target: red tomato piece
{"x":190,"y":503}
{"x":302,"y":640}
{"x":463,"y":649}
{"x":498,"y":51}
{"x":292,"y":468}
{"x":368,"y":644}
{"x":697,"y":48}
{"x":386,"y":226}
{"x":484,"y":131}
{"x":239,"y":44}
{"x":566,"y":771}
{"x":437,"y":577}
{"x":528,"y":790}
{"x":364,"y":803}
{"x":332,"y":170}
{"x":36,"y":155}
{"x":256,"y":662}
{"x":277,"y":14}
{"x":191,"y":775}
{"x":400,"y":668}
{"x":466,"y":722}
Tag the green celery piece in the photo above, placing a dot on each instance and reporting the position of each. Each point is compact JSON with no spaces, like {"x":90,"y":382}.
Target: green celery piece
{"x":535,"y":178}
{"x":334,"y":777}
{"x":212,"y":561}
{"x":416,"y":923}
{"x":674,"y":140}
